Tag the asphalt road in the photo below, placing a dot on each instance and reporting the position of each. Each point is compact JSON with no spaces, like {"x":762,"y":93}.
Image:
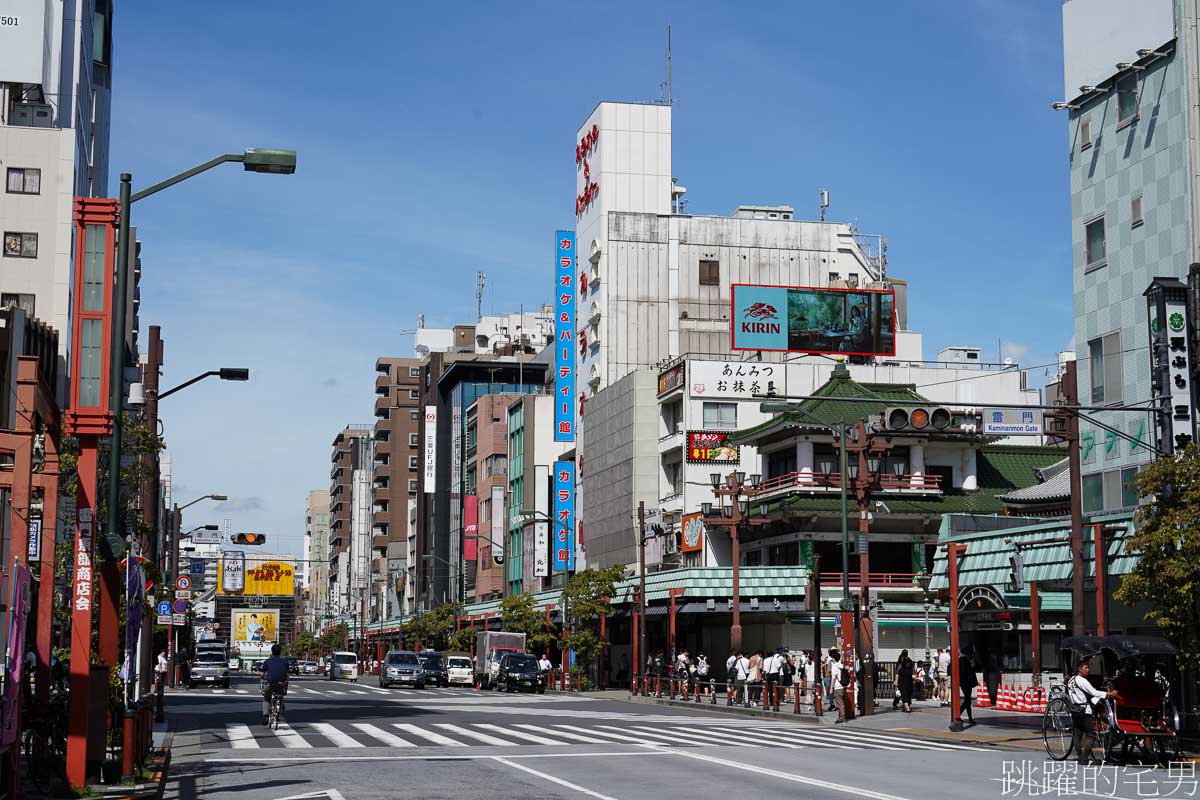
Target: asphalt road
{"x":346,"y":741}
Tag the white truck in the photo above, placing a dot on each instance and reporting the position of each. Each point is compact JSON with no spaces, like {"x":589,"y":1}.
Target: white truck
{"x":490,"y":647}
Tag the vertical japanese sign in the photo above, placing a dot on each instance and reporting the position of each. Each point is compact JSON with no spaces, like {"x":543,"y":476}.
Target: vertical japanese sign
{"x":498,"y":517}
{"x":83,"y":564}
{"x":429,"y":452}
{"x":471,"y":525}
{"x":541,"y":530}
{"x":18,"y":612}
{"x":564,"y":336}
{"x":564,"y":515}
{"x":1170,"y":363}
{"x":35,"y":539}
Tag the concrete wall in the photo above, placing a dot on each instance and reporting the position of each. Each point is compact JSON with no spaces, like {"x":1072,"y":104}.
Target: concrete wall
{"x":621,"y":467}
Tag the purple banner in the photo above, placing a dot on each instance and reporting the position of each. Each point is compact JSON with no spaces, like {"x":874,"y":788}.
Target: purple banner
{"x":18,"y":612}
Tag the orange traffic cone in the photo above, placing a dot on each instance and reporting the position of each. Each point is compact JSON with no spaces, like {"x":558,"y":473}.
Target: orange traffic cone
{"x":1026,"y":704}
{"x":1002,"y":702}
{"x":982,"y":700}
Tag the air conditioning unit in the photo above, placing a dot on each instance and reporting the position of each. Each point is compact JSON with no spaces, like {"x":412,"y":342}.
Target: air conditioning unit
{"x":32,"y":115}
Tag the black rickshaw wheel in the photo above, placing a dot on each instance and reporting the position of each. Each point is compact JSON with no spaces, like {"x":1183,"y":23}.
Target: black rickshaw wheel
{"x":1056,"y":729}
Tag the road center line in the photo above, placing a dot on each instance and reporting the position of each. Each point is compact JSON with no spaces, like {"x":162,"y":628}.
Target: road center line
{"x":855,"y":791}
{"x":552,"y":778}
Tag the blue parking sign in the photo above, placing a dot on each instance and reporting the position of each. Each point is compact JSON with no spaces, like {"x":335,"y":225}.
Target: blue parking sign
{"x":164,"y":608}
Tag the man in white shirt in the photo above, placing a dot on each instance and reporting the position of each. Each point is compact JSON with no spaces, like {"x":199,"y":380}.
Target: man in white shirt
{"x":838,"y":687}
{"x":544,"y":664}
{"x":772,"y":667}
{"x":741,"y":670}
{"x":941,"y":676}
{"x":1084,"y":697}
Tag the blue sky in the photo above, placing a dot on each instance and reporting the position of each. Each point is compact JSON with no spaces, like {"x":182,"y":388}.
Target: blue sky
{"x":434,"y":145}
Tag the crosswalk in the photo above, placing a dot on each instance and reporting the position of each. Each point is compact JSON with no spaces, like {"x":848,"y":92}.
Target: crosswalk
{"x":349,"y":692}
{"x":659,"y":731}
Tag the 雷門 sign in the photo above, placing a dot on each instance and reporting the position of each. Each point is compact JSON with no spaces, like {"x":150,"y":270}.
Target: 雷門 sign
{"x":564,"y":336}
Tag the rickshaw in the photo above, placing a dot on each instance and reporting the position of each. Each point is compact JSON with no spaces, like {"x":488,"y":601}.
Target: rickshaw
{"x":1141,"y":721}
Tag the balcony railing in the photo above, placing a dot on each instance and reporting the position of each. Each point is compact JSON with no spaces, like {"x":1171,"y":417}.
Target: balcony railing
{"x":817,"y":482}
{"x":897,"y":579}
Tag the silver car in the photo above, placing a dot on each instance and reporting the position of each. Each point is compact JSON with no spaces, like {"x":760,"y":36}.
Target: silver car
{"x":210,"y":667}
{"x":403,"y":667}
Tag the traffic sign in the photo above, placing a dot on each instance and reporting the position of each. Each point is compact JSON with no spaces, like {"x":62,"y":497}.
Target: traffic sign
{"x":180,"y":606}
{"x":206,"y":537}
{"x":163,"y":619}
{"x":183,"y":582}
{"x":179,"y":619}
{"x":164,"y":608}
{"x":183,"y":594}
{"x":197,"y":566}
{"x":1012,"y":422}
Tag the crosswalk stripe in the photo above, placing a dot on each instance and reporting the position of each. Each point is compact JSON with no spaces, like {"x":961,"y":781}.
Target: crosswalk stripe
{"x":855,"y":739}
{"x":809,"y":738}
{"x":871,"y":740}
{"x":529,"y":737}
{"x":289,"y":737}
{"x":722,"y":738}
{"x":431,"y":736}
{"x":673,"y":738}
{"x":562,"y":734}
{"x":482,"y":737}
{"x":334,"y":735}
{"x":914,"y":742}
{"x":240,"y":737}
{"x":241,"y":691}
{"x":618,"y":736}
{"x":218,"y":691}
{"x":374,"y":732}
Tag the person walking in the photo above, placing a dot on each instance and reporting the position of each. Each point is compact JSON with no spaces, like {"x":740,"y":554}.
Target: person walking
{"x":741,"y":669}
{"x":966,"y":676}
{"x":839,"y":679}
{"x":904,"y":680}
{"x":702,"y":674}
{"x":1083,"y":699}
{"x":756,"y":677}
{"x":941,"y":676}
{"x":827,"y":679}
{"x":773,"y":674}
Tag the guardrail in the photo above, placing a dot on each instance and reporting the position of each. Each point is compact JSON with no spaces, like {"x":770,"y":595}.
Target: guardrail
{"x":900,"y":579}
{"x":769,"y":696}
{"x":819,"y":481}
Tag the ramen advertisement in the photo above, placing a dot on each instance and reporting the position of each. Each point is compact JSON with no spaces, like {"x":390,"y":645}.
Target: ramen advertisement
{"x":711,"y":447}
{"x":255,"y":626}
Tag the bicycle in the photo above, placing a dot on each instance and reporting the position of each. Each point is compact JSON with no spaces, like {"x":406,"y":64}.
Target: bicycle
{"x":1058,"y":729}
{"x":275,"y":703}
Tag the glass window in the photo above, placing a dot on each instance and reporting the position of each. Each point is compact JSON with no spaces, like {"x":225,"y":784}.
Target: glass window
{"x":23,"y":180}
{"x":1127,"y":99}
{"x":95,"y":244}
{"x":1093,"y":492}
{"x":412,"y":440}
{"x":1085,"y":133}
{"x":720,"y":415}
{"x":1129,"y":493}
{"x":752,"y":558}
{"x":412,"y":462}
{"x":1096,"y":364}
{"x":710,"y":272}
{"x":1105,"y":364}
{"x":414,"y":372}
{"x":1094,"y":241}
{"x":781,"y":462}
{"x":89,"y":363}
{"x":414,"y":415}
{"x":20,"y":245}
{"x":414,"y":394}
{"x":1135,"y":212}
{"x":412,"y":484}
{"x":25,"y":302}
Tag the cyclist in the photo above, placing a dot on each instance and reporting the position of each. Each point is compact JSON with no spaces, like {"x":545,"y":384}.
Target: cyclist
{"x":275,"y":680}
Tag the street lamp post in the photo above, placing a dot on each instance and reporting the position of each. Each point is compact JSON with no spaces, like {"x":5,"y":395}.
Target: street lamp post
{"x":172,"y":573}
{"x":225,"y":374}
{"x":734,"y":496}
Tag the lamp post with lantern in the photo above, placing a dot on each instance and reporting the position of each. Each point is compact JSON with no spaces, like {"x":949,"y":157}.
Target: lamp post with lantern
{"x":734,"y":496}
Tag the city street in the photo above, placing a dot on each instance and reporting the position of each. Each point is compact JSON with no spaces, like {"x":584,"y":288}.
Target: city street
{"x":359,"y":741}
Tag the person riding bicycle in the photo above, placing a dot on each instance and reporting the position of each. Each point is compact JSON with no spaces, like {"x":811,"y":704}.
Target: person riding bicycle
{"x":275,"y":680}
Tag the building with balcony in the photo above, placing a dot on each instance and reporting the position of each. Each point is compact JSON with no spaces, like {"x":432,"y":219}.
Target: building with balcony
{"x":316,"y":553}
{"x":350,"y":519}
{"x":485,"y":477}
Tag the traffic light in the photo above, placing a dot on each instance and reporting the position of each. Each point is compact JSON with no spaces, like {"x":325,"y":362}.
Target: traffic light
{"x":250,"y":538}
{"x":932,"y":419}
{"x":1016,"y":572}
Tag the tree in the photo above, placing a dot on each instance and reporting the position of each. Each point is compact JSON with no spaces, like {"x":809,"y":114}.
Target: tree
{"x":333,"y":638}
{"x":304,"y":644}
{"x":519,"y":614}
{"x":1167,"y":546}
{"x":434,"y":629}
{"x":587,"y":596}
{"x":462,"y":639}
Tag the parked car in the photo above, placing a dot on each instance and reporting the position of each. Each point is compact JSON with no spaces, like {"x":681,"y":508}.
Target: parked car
{"x":308,"y":668}
{"x":435,"y":667}
{"x":344,"y":665}
{"x":234,"y":663}
{"x":460,"y":670}
{"x":519,"y":673}
{"x":293,"y":665}
{"x":402,"y":667}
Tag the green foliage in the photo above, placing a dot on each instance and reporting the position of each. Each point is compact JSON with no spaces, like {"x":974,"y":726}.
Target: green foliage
{"x":333,"y":638}
{"x":1167,"y":544}
{"x":587,"y":594}
{"x":304,"y":644}
{"x":461,"y":639}
{"x":435,"y":628}
{"x":519,"y":614}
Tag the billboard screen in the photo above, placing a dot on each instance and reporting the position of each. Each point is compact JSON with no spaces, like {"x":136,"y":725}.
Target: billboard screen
{"x":270,"y":577}
{"x":712,"y":447}
{"x":255,"y":625}
{"x":22,"y":40}
{"x":804,"y":319}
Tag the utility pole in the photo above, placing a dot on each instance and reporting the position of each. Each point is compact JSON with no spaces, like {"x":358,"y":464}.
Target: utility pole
{"x":642,"y":583}
{"x":1070,"y":393}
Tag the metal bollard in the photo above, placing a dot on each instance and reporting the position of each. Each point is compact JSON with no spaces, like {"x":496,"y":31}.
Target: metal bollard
{"x":697,"y":685}
{"x":712,"y":686}
{"x":796,"y":696}
{"x":818,"y":704}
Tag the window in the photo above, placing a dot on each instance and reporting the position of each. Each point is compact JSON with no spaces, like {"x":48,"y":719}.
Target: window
{"x":1127,"y":100}
{"x":852,"y":279}
{"x":710,"y":272}
{"x":1093,"y":492}
{"x":835,"y":276}
{"x":20,"y":245}
{"x":414,"y":415}
{"x":1129,"y":493}
{"x":1135,"y":212}
{"x":1094,"y":242}
{"x":22,"y":180}
{"x":673,"y":471}
{"x":25,"y":302}
{"x":752,"y":558}
{"x":781,"y":462}
{"x":720,"y":415}
{"x":414,"y":393}
{"x":412,"y":462}
{"x":412,"y":440}
{"x":1085,"y":133}
{"x":414,"y":372}
{"x":1104,"y":361}
{"x":412,"y":484}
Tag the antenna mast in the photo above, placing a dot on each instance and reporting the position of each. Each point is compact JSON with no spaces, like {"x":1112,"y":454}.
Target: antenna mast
{"x":480,"y":282}
{"x":670,"y":97}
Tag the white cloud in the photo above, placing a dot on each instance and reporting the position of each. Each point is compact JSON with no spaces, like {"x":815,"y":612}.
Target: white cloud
{"x":1014,"y":350}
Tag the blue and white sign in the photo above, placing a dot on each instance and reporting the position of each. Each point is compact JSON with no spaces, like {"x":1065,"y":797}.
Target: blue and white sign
{"x":196,"y":567}
{"x":164,"y":608}
{"x":35,"y":539}
{"x":1012,"y":422}
{"x":564,"y":336}
{"x":564,"y":515}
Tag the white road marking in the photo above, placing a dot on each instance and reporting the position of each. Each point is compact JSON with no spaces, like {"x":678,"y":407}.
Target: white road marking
{"x":856,"y":791}
{"x":391,"y":740}
{"x":482,"y":737}
{"x":431,"y":736}
{"x":334,"y":691}
{"x":334,"y":735}
{"x":811,"y":738}
{"x":715,"y":738}
{"x":561,"y":734}
{"x":619,"y":736}
{"x":553,"y":779}
{"x":357,"y":691}
{"x":241,"y":691}
{"x":258,"y":758}
{"x":240,"y":737}
{"x":529,"y":737}
{"x":289,"y":737}
{"x":218,"y":691}
{"x":666,"y":739}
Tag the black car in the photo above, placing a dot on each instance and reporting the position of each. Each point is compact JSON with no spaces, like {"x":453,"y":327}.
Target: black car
{"x":519,"y":673}
{"x":435,"y":668}
{"x":293,"y":665}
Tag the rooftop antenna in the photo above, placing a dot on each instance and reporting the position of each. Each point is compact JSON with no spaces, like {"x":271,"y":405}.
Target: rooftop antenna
{"x":420,"y":320}
{"x":480,"y":282}
{"x":824,"y":203}
{"x":670,"y":98}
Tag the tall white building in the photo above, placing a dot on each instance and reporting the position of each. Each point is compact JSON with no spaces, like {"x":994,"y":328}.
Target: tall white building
{"x":315,"y":574}
{"x":55,"y":95}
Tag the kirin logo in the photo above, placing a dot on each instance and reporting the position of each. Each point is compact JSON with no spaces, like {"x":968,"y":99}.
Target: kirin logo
{"x":760,"y":312}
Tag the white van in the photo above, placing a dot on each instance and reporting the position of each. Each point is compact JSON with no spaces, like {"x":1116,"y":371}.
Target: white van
{"x":344,"y":665}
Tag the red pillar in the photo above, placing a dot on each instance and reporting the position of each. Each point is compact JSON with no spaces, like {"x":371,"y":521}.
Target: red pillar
{"x":1101,"y":587}
{"x":1035,"y":624}
{"x":953,"y":551}
{"x":81,"y":615}
{"x":110,"y":596}
{"x":601,"y":672}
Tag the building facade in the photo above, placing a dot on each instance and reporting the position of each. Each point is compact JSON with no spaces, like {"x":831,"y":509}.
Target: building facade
{"x":316,"y":553}
{"x":1134,"y":148}
{"x":55,"y":98}
{"x":485,"y":475}
{"x":350,"y":521}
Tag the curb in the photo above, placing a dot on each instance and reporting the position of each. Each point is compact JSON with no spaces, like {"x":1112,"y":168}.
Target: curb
{"x":784,"y":716}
